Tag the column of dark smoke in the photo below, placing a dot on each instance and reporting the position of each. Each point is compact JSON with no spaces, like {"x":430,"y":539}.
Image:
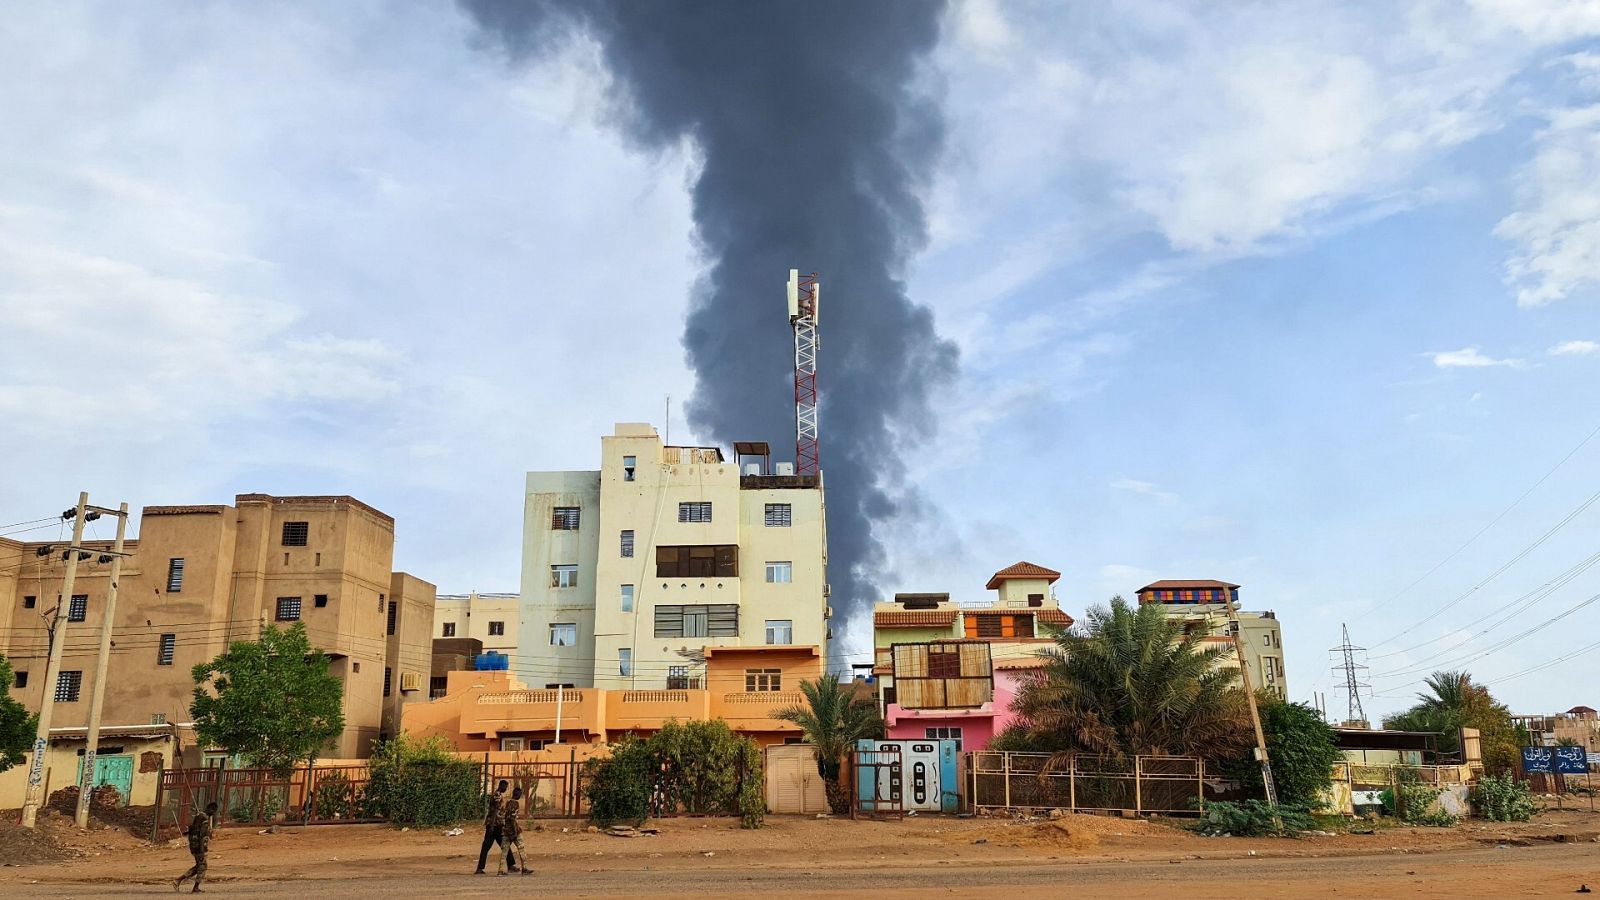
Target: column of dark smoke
{"x":815,"y":141}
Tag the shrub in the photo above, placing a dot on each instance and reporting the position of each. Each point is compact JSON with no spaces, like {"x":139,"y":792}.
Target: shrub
{"x":422,"y":783}
{"x":1302,"y":751}
{"x":1418,"y":806}
{"x":335,"y":797}
{"x":692,"y":767}
{"x":620,"y":786}
{"x":1253,"y":818}
{"x":1503,"y":799}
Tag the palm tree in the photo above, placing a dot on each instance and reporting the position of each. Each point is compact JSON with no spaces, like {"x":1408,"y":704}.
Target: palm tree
{"x":832,"y":720}
{"x":1452,"y":692}
{"x":1132,"y":682}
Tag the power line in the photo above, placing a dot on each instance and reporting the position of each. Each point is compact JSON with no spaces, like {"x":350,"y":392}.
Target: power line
{"x":1477,"y":655}
{"x":1492,"y":522}
{"x":1497,"y":572}
{"x":1545,"y":665}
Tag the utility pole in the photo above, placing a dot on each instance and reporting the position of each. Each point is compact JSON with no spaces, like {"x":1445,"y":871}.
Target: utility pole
{"x":52,"y":672}
{"x":86,"y":780}
{"x":1255,"y":714}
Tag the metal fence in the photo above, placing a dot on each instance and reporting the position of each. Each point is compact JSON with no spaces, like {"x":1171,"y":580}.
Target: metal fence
{"x":326,"y":795}
{"x":1142,"y":784}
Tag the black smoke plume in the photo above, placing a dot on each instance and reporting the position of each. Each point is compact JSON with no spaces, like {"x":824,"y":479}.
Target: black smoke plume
{"x":815,"y":137}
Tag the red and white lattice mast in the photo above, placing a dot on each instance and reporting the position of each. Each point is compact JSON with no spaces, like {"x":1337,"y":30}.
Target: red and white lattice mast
{"x":804,"y":293}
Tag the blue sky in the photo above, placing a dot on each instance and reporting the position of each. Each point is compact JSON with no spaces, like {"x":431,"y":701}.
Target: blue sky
{"x":1299,"y":299}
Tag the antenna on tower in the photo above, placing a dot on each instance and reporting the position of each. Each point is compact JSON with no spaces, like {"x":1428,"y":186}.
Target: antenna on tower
{"x":804,"y":299}
{"x":1357,"y":717}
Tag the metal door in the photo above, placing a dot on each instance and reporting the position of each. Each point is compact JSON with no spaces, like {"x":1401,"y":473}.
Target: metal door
{"x":116,"y":771}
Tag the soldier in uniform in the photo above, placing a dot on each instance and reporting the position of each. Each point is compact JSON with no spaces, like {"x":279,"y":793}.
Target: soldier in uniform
{"x":199,"y":844}
{"x":511,"y":836}
{"x":493,"y":817}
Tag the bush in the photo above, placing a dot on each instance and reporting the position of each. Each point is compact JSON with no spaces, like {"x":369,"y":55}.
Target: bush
{"x":1502,"y":799}
{"x":1302,"y":751}
{"x":423,"y":783}
{"x":1418,"y":806}
{"x":1253,"y":818}
{"x":335,"y":797}
{"x":691,"y":767}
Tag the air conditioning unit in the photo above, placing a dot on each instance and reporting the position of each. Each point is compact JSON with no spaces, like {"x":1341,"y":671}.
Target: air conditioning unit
{"x":785,"y":468}
{"x":411,"y":681}
{"x":752,"y":468}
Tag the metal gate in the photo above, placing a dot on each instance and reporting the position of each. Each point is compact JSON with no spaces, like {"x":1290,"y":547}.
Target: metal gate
{"x":115,"y":770}
{"x":877,"y":786}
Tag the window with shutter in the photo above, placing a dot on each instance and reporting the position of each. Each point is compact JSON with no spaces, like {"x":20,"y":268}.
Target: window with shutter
{"x":67,"y":686}
{"x":394,"y":613}
{"x":169,"y":645}
{"x":698,"y":561}
{"x":695,"y":512}
{"x":627,"y":543}
{"x":779,"y":515}
{"x":564,"y":518}
{"x":944,"y":663}
{"x":174,"y":575}
{"x":296,"y":534}
{"x":288,"y":609}
{"x":78,"y":609}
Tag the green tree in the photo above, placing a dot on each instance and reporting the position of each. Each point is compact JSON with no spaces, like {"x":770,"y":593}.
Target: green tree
{"x":1302,"y":748}
{"x":1130,"y":682}
{"x":272,"y":701}
{"x":18,"y":727}
{"x":833,"y":718}
{"x":1454,"y":701}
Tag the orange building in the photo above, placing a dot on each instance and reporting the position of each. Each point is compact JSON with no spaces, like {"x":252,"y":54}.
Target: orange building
{"x":744,"y":686}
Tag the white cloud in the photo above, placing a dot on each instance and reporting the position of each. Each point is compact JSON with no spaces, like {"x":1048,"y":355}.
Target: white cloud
{"x":1144,"y":488}
{"x":1574,"y":348}
{"x":1470,"y":358}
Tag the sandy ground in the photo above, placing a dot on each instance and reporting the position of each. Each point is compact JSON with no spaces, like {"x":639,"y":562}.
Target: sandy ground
{"x":1096,"y":857}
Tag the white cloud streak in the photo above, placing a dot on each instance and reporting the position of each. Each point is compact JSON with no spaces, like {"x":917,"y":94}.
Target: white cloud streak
{"x":1574,"y":348}
{"x":1471,"y":358}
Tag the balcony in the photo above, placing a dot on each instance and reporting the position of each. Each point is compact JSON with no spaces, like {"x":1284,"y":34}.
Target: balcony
{"x":522,"y":711}
{"x":649,"y":710}
{"x":754,"y":710}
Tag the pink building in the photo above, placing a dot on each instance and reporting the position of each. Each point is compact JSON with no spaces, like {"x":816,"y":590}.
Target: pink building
{"x":951,"y":671}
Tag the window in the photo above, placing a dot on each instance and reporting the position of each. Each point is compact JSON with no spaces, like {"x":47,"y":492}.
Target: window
{"x":30,"y":601}
{"x":564,"y":518}
{"x":627,"y":543}
{"x":763,"y":680}
{"x":438,"y":685}
{"x":945,"y":732}
{"x":678,"y":679}
{"x":780,"y":572}
{"x":169,"y":644}
{"x":563,"y":634}
{"x":321,"y":600}
{"x":557,"y":687}
{"x":625,"y":661}
{"x":449,"y":630}
{"x":68,"y":685}
{"x":318,"y":560}
{"x":288,"y":609}
{"x":780,"y":631}
{"x":944,"y":661}
{"x":388,"y":680}
{"x":22,"y":679}
{"x":889,"y":696}
{"x":698,"y":561}
{"x":496,"y":629}
{"x":1036,"y":600}
{"x":563,"y":576}
{"x":703,"y":620}
{"x":627,"y":598}
{"x":355,"y":668}
{"x":78,"y":609}
{"x":779,"y":515}
{"x":393,"y":613}
{"x":1267,"y":639}
{"x":174,"y":575}
{"x":696,"y":621}
{"x":512,"y":743}
{"x":698,"y":511}
{"x":629,"y":465}
{"x":296,"y":533}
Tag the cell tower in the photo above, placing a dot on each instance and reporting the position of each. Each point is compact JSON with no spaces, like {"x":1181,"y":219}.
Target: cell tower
{"x":1352,"y":680}
{"x":804,"y":295}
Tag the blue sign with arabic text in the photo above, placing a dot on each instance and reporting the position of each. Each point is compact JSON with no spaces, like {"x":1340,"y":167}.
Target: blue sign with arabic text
{"x":1538,"y":759}
{"x":1571,"y":760}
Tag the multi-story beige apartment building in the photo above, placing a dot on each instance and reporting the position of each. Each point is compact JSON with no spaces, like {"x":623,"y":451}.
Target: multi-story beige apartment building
{"x":629,"y":573}
{"x":199,"y":577}
{"x":494,"y":620}
{"x":1202,"y":605}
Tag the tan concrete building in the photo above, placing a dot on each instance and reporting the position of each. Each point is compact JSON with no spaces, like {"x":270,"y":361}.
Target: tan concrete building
{"x":494,"y":620}
{"x":199,"y":577}
{"x":1201,"y":605}
{"x":631,"y":572}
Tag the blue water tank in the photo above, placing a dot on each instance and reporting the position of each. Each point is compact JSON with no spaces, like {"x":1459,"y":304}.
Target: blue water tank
{"x":491,"y":662}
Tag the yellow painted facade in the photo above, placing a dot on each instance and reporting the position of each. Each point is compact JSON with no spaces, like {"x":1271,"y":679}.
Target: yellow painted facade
{"x":495,"y":620}
{"x":627,"y":614}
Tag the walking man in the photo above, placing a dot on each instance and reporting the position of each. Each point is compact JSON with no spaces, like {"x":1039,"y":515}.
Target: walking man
{"x":199,"y":844}
{"x":493,"y":819}
{"x":511,"y":835}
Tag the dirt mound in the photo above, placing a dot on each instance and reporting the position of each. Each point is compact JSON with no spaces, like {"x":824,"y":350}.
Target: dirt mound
{"x":29,"y":846}
{"x":105,"y":808}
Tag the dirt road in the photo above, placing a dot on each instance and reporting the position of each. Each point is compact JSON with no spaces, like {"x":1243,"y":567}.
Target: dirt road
{"x":808,"y":858}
